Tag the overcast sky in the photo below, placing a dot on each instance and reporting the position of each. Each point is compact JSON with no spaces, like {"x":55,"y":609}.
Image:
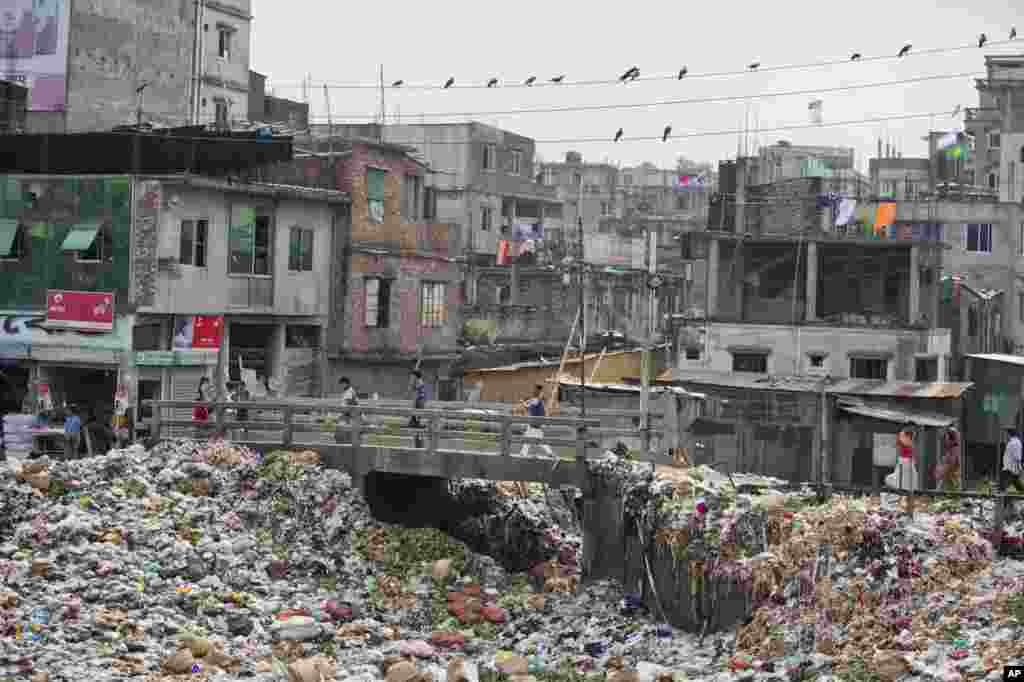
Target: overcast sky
{"x":426,"y":42}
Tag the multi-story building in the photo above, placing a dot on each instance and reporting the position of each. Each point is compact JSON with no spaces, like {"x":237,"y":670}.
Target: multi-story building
{"x":399,"y":299}
{"x":483,"y":177}
{"x":995,"y":124}
{"x":588,"y":190}
{"x":94,"y":66}
{"x":264,"y":108}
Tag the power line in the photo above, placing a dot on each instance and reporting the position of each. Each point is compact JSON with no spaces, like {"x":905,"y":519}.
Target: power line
{"x":666,"y":77}
{"x":641,"y":138}
{"x":671,"y":102}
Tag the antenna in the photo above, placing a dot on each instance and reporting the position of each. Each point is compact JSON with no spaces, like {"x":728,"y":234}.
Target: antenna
{"x":330,"y":131}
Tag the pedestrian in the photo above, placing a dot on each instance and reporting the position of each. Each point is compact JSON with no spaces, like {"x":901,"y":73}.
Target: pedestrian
{"x":72,"y":433}
{"x":419,"y":402}
{"x":242,"y":415}
{"x":1010,"y":475}
{"x":348,"y":393}
{"x":201,"y":413}
{"x":101,"y":435}
{"x":947,"y":471}
{"x":535,"y":408}
{"x":348,"y":399}
{"x":904,"y":477}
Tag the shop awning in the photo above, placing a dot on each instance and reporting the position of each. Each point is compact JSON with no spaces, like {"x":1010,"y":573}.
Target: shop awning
{"x":81,"y":237}
{"x":896,"y":416}
{"x":8,"y":230}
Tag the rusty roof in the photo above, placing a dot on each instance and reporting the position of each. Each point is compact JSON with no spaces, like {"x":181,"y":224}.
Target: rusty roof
{"x":900,"y":389}
{"x":862,"y":387}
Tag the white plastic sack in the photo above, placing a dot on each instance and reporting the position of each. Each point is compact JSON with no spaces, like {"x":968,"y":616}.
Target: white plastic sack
{"x":909,"y":476}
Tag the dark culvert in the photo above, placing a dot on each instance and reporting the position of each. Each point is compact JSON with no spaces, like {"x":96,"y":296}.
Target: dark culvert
{"x":516,"y":533}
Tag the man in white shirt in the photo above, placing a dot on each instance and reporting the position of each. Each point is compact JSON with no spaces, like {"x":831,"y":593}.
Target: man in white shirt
{"x":1010,"y":475}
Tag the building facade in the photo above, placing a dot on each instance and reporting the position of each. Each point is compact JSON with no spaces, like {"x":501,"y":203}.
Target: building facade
{"x":995,"y":126}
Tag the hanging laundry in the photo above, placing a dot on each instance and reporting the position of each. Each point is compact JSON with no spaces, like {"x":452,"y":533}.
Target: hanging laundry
{"x":956,"y":151}
{"x":503,"y":257}
{"x":948,"y":140}
{"x":847,"y":207}
{"x":522,"y":232}
{"x":885,"y":215}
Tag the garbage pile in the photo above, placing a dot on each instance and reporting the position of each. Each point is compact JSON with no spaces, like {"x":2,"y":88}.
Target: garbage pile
{"x":204,"y":561}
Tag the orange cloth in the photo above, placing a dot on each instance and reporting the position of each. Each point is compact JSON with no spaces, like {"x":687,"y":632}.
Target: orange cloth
{"x":503,"y":255}
{"x":885,"y":215}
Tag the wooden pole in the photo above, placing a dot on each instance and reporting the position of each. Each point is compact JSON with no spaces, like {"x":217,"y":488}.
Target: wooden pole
{"x":561,"y":365}
{"x":593,"y":373}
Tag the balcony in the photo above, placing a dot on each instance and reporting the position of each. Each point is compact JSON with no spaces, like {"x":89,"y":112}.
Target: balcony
{"x":980,"y":113}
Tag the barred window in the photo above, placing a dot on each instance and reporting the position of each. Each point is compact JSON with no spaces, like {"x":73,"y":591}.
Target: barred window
{"x":433,"y":310}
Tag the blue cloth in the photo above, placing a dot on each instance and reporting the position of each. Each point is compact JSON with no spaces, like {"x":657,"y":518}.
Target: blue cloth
{"x":421,"y":394}
{"x":72,"y":424}
{"x":535,"y":407}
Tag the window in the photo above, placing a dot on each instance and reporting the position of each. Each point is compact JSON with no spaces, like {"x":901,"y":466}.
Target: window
{"x":489,"y":153}
{"x":926,"y":369}
{"x":549,"y":175}
{"x":224,"y":41}
{"x":378,"y":302}
{"x":486,"y":216}
{"x":682,"y":202}
{"x":193,"y":243}
{"x":606,"y":208}
{"x":101,"y":249}
{"x":375,"y":194}
{"x":1020,"y":239}
{"x":249,"y":244}
{"x":517,"y":162}
{"x":992,"y":181}
{"x":432,"y":304}
{"x":994,"y":139}
{"x":300,"y":250}
{"x":869,"y":368}
{"x":693,"y":353}
{"x":627,"y":180}
{"x":978,"y":238}
{"x":577,"y":179}
{"x":411,"y":197}
{"x":750,"y":362}
{"x":13,"y":244}
{"x":221,"y":112}
{"x":1020,"y":306}
{"x":816,"y":360}
{"x":1022,"y":154}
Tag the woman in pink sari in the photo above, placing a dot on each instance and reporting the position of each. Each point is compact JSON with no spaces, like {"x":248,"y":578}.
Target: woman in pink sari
{"x":947,"y":471}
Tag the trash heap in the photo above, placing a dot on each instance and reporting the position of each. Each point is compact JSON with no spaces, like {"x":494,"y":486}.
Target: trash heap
{"x":204,"y":561}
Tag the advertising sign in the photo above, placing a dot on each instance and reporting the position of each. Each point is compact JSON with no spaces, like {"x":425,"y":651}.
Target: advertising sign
{"x":34,"y":49}
{"x":88,"y":310}
{"x":198,"y":332}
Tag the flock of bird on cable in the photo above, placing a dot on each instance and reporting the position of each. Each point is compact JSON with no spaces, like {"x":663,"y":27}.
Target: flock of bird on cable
{"x":633,"y":74}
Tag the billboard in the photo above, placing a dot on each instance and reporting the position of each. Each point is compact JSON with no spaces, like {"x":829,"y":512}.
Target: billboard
{"x":86,"y":310}
{"x":34,"y":49}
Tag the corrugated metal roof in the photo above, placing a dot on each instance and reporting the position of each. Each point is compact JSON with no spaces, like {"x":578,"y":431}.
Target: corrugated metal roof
{"x":1000,"y":357}
{"x":568,"y":380}
{"x":897,"y":416}
{"x":899,"y":389}
{"x":554,"y":362}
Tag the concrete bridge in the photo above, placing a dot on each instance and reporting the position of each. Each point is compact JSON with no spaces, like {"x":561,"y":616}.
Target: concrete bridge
{"x":459,"y":441}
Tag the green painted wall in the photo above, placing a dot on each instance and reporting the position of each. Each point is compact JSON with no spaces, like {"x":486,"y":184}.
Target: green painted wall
{"x":62,"y":203}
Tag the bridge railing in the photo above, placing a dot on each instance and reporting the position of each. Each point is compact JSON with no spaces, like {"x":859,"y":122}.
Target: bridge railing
{"x":324,"y":423}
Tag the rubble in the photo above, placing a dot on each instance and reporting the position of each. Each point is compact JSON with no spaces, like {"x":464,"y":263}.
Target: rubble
{"x":207,"y":561}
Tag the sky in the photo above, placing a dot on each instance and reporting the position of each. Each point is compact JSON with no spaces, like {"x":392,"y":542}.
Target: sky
{"x":428,"y":42}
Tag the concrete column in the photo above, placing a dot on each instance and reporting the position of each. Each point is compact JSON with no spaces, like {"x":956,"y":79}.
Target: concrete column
{"x":280,"y":336}
{"x":812,"y":282}
{"x":322,"y":364}
{"x":513,"y":282}
{"x":740,"y":226}
{"x":914,"y":310}
{"x":712,"y":275}
{"x":740,"y":258}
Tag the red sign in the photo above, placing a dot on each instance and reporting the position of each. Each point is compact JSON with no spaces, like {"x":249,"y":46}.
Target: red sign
{"x":207,"y":331}
{"x":90,"y":310}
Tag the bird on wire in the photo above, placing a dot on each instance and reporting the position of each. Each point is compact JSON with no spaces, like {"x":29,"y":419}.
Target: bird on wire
{"x":904,"y":51}
{"x":754,"y":66}
{"x":664,"y":135}
{"x":491,"y":83}
{"x":530,"y":81}
{"x":449,"y":83}
{"x":855,"y":56}
{"x":618,"y":135}
{"x":632,"y":74}
{"x":558,"y":79}
{"x":397,"y":84}
{"x":982,"y":39}
{"x":682,"y":72}
{"x":1013,"y":33}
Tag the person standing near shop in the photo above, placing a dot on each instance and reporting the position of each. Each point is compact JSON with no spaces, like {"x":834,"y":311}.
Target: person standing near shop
{"x":72,"y":433}
{"x":101,"y":435}
{"x":419,"y":402}
{"x":1010,"y":475}
{"x":201,"y":413}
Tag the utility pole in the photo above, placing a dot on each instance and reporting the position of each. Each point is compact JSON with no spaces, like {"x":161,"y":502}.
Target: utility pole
{"x":651,"y":264}
{"x":583,"y":318}
{"x":139,"y":92}
{"x":330,"y":137}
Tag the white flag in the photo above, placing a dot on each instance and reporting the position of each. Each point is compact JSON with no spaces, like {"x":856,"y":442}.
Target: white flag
{"x":814,"y":108}
{"x":948,"y":140}
{"x":847,"y":207}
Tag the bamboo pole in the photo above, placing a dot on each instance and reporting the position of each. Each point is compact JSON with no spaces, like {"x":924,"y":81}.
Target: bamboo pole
{"x":593,"y":373}
{"x":561,"y":364}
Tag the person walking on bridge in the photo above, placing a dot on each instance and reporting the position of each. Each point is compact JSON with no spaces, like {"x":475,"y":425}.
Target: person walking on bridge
{"x":535,"y":408}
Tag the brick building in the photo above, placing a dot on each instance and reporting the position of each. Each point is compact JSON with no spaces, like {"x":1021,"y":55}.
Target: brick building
{"x":400,"y":294}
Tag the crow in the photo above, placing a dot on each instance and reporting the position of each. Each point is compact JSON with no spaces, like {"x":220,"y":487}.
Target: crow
{"x":530,"y":80}
{"x":905,"y":50}
{"x":491,"y":83}
{"x":397,"y":84}
{"x":558,"y":79}
{"x":982,"y":39}
{"x":632,"y":74}
{"x":855,"y":56}
{"x":449,"y":83}
{"x":754,"y":65}
{"x":664,"y":135}
{"x":618,"y":135}
{"x":682,"y":72}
